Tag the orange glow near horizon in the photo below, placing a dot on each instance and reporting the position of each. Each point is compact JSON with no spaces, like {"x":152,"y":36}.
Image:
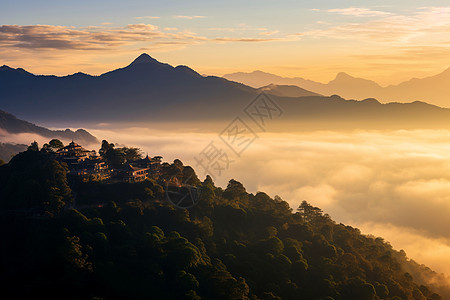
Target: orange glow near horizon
{"x":318,"y":68}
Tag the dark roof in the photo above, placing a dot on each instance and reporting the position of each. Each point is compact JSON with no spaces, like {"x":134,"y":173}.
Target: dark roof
{"x":73,"y":146}
{"x":146,"y":160}
{"x":130,"y":168}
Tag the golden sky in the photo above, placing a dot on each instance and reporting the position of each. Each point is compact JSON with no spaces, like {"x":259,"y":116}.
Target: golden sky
{"x":379,"y":41}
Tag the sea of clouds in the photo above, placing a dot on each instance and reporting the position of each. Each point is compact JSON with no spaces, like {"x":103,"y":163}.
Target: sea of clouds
{"x":394,"y":184}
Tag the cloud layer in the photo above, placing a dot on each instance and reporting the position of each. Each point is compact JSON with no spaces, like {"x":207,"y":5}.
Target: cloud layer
{"x":423,"y":26}
{"x":47,"y":37}
{"x":393,"y":184}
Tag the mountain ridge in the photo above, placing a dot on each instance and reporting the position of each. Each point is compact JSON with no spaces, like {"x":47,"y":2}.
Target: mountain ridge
{"x":286,"y":90}
{"x":11,"y":124}
{"x":149,"y":91}
{"x":431,"y":89}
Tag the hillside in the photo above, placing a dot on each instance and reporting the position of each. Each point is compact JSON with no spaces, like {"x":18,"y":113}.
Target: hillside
{"x":335,"y":112}
{"x":8,"y":150}
{"x":13,"y":125}
{"x":143,"y":90}
{"x":88,"y":239}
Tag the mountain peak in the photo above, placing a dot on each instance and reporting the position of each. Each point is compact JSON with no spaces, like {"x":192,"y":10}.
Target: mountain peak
{"x":5,"y":67}
{"x":342,"y":75}
{"x":144,"y":58}
{"x":17,"y":71}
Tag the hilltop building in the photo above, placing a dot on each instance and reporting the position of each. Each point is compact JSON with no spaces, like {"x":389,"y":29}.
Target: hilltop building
{"x":152,"y":164}
{"x":74,"y":153}
{"x":83,"y":162}
{"x":131,"y":173}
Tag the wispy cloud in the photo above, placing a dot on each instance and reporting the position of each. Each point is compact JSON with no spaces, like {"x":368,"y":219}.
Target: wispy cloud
{"x":411,"y":55}
{"x":358,"y":12}
{"x":45,"y":37}
{"x":269,"y":32}
{"x":90,"y":38}
{"x":428,"y":25}
{"x":147,"y":17}
{"x":188,"y":17}
{"x":142,"y":27}
{"x":251,"y":40}
{"x":229,"y":29}
{"x":243,"y":27}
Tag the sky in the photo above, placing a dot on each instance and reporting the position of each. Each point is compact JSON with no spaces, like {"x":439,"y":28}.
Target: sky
{"x":379,"y":40}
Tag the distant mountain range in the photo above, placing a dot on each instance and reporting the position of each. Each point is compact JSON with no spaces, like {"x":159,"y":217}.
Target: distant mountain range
{"x":433,"y":90}
{"x":286,"y":91}
{"x":8,"y":150}
{"x":11,"y":124}
{"x":151,"y":91}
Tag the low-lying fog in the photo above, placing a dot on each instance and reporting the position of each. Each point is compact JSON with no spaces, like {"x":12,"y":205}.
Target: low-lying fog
{"x":393,"y":184}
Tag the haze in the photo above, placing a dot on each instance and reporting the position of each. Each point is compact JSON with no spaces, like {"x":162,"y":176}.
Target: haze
{"x":393,"y":184}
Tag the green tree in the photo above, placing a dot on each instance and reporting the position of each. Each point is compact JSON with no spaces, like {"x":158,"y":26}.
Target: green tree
{"x":308,"y":212}
{"x":115,"y":157}
{"x":34,"y":146}
{"x":105,"y":147}
{"x":189,"y":176}
{"x":55,"y":144}
{"x":131,"y":153}
{"x":235,"y":190}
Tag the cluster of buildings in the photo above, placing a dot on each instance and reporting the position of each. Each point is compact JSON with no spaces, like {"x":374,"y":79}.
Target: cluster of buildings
{"x":86,"y":163}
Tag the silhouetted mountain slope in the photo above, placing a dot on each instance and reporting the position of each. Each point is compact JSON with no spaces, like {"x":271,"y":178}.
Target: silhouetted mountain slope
{"x":433,"y":89}
{"x":320,"y":112}
{"x":258,"y":79}
{"x":351,"y":87}
{"x":344,"y":85}
{"x":148,"y":90}
{"x":286,"y":91}
{"x":139,"y":91}
{"x":7,"y":150}
{"x":11,"y":124}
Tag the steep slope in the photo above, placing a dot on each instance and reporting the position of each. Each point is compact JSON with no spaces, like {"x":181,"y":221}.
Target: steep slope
{"x":126,"y":241}
{"x":351,"y":87}
{"x":434,"y":89}
{"x":8,"y":150}
{"x":142,"y":90}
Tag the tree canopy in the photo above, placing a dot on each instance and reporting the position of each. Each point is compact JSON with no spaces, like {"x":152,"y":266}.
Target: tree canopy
{"x":125,"y":241}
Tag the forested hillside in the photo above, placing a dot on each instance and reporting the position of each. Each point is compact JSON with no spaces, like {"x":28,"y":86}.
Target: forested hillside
{"x":67,"y":238}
